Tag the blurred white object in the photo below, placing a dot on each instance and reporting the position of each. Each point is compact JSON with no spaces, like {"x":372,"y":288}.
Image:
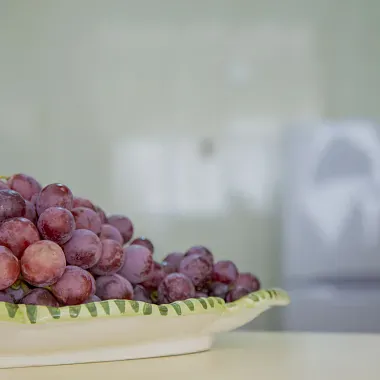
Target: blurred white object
{"x":349,"y":158}
{"x":331,"y":224}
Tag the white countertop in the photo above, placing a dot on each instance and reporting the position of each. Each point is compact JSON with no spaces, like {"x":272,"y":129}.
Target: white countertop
{"x":242,"y":355}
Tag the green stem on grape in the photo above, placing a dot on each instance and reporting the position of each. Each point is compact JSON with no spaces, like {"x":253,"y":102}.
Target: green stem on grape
{"x":16,"y":285}
{"x":154,"y":296}
{"x":4,"y":177}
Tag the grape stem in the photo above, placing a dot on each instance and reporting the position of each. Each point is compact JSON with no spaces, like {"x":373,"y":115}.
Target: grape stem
{"x":4,"y":177}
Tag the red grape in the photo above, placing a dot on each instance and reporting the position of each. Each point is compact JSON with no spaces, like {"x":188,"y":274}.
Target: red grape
{"x":56,"y":224}
{"x":101,"y":214}
{"x":93,"y":298}
{"x":30,"y":212}
{"x":83,"y":202}
{"x":141,"y":294}
{"x":175,"y":287}
{"x":218,"y":289}
{"x":54,"y":195}
{"x":87,"y":219}
{"x":40,"y":297}
{"x":5,"y":297}
{"x":17,"y":234}
{"x":167,"y":268}
{"x":84,"y":249}
{"x":138,"y":264}
{"x":110,"y":232}
{"x":74,"y":287}
{"x":123,"y":224}
{"x":142,"y":240}
{"x":9,"y":268}
{"x":197,"y":268}
{"x":12,"y":205}
{"x":155,"y":278}
{"x":111,"y":259}
{"x":247,"y":281}
{"x":92,"y":241}
{"x":43,"y":263}
{"x":34,"y":199}
{"x":171,"y":262}
{"x":235,"y":294}
{"x":113,"y":287}
{"x":24,"y":184}
{"x":200,"y":250}
{"x":225,"y":272}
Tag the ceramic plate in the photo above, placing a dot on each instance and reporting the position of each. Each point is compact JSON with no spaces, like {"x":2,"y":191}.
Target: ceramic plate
{"x":121,"y":329}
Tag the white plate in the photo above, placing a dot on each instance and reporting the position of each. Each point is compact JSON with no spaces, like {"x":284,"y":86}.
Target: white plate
{"x":121,"y":329}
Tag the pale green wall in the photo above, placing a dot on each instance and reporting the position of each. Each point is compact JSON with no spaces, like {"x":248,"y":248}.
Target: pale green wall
{"x":77,"y":78}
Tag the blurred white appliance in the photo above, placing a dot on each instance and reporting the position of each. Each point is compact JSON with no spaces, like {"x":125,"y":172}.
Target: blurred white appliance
{"x":331,"y":227}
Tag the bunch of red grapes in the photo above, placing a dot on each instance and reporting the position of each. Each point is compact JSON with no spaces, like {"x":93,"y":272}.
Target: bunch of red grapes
{"x":57,"y":249}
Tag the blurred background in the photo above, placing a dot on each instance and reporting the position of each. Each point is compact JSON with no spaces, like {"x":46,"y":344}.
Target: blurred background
{"x":246,"y":126}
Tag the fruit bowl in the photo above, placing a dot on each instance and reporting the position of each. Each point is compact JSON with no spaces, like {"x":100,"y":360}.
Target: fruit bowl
{"x":77,"y":285}
{"x":122,"y":329}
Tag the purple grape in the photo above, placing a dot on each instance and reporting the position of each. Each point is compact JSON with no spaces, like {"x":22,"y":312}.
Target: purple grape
{"x":40,"y":297}
{"x":144,"y":242}
{"x":201,"y":295}
{"x":74,"y":287}
{"x":110,"y":232}
{"x":175,"y":287}
{"x":54,"y":195}
{"x":3,"y":185}
{"x":235,"y":294}
{"x":197,"y":268}
{"x":9,"y":268}
{"x":93,"y":299}
{"x":34,"y":200}
{"x":111,"y":259}
{"x":30,"y":212}
{"x":123,"y":224}
{"x":154,"y":280}
{"x":56,"y":224}
{"x":12,"y":205}
{"x":25,"y":185}
{"x":43,"y":263}
{"x":171,"y":262}
{"x":247,"y":281}
{"x":113,"y":287}
{"x":87,"y":219}
{"x":200,"y":250}
{"x":101,"y":214}
{"x":167,"y":268}
{"x":218,"y":289}
{"x":83,"y":202}
{"x":225,"y":272}
{"x":18,"y":234}
{"x":5,"y":297}
{"x":138,"y":264}
{"x":141,"y":294}
{"x":18,"y":290}
{"x":84,"y":249}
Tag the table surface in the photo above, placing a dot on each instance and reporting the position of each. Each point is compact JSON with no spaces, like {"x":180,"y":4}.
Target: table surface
{"x":240,"y":355}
